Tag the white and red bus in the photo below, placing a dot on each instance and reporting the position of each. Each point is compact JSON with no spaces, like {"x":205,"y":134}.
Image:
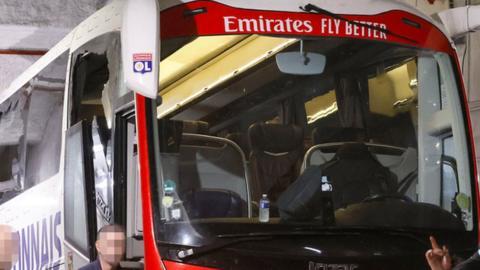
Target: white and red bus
{"x":174,"y":118}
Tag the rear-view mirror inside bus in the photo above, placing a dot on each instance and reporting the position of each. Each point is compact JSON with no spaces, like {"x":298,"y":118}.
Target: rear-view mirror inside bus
{"x":301,"y":63}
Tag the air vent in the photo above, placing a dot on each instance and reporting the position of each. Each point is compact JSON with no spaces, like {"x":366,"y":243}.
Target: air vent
{"x":411,"y":23}
{"x":194,"y":12}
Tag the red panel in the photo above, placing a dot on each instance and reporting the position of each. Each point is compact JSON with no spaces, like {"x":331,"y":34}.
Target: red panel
{"x":152,"y":256}
{"x":220,"y":19}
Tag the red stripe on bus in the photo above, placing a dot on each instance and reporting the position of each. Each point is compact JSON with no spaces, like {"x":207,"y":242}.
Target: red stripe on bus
{"x":152,"y":256}
{"x":181,"y":266}
{"x":23,"y":52}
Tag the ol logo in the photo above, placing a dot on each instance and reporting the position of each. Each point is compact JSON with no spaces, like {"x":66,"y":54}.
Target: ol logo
{"x":142,"y":62}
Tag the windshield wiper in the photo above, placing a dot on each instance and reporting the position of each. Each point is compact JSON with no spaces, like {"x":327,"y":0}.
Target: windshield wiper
{"x":313,"y":8}
{"x":224,"y":240}
{"x":219,"y":244}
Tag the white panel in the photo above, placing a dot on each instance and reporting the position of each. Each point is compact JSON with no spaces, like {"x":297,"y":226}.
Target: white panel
{"x":429,"y":154}
{"x":36,"y":215}
{"x":107,"y":19}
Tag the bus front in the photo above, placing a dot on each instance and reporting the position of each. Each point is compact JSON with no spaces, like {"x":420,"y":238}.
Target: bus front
{"x":348,"y":116}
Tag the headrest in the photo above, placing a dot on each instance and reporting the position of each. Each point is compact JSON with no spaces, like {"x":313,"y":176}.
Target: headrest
{"x":275,"y":138}
{"x":240,"y":139}
{"x":353,"y":151}
{"x":329,"y":135}
{"x":195,"y":127}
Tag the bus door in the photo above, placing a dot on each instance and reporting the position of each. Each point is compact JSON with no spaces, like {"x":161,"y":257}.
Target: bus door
{"x":95,"y":93}
{"x":127,"y":199}
{"x":78,"y":194}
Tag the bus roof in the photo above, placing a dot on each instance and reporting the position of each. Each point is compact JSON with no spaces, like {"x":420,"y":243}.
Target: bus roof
{"x":109,"y":19}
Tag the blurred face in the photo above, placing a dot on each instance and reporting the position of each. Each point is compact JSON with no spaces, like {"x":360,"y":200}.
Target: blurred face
{"x":111,"y":247}
{"x":8,"y":247}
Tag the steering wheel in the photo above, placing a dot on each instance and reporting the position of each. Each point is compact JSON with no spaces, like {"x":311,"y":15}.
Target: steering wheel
{"x":383,"y":197}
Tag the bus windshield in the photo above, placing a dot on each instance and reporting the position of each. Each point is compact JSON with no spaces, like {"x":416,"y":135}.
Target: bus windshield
{"x":372,"y":137}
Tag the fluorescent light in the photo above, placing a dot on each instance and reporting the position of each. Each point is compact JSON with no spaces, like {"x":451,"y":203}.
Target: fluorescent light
{"x":323,"y":113}
{"x":246,"y":54}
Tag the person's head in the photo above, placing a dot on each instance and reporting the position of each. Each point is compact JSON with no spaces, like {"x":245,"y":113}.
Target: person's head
{"x":111,"y":244}
{"x":8,"y":247}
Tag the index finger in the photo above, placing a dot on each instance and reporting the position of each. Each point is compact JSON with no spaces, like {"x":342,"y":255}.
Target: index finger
{"x":434,"y":243}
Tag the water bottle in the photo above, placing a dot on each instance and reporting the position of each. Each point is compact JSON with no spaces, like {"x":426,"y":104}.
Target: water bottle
{"x":328,"y":210}
{"x":264,"y":209}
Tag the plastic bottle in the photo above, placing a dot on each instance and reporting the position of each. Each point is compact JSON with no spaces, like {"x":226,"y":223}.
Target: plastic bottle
{"x":328,"y":211}
{"x":264,"y":209}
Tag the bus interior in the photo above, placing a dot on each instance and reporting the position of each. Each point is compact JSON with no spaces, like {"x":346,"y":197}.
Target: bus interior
{"x":233,"y":127}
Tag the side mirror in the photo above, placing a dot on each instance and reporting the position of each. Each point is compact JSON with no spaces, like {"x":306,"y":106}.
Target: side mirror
{"x":141,"y":46}
{"x":301,"y":63}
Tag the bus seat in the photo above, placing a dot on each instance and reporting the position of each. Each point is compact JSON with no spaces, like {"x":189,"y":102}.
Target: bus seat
{"x":275,"y":155}
{"x":241,"y":140}
{"x":188,"y":169}
{"x":212,"y":163}
{"x":213,"y":203}
{"x":326,"y":137}
{"x":356,"y":174}
{"x":335,"y":134}
{"x":400,"y":161}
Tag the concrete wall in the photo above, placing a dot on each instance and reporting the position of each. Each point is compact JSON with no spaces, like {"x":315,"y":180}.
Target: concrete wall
{"x":13,"y":65}
{"x":36,"y":25}
{"x":47,"y":13}
{"x":428,"y":8}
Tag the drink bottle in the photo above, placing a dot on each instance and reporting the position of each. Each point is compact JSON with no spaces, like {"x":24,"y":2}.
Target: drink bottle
{"x":264,"y":209}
